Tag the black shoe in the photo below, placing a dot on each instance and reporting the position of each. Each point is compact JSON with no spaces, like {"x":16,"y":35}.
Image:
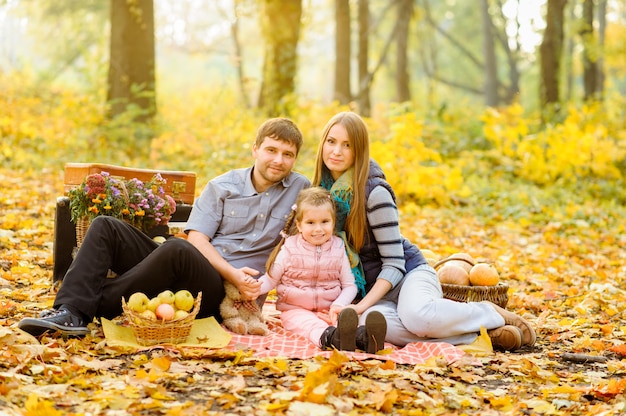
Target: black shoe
{"x":371,"y":336}
{"x":56,"y":320}
{"x":342,"y":337}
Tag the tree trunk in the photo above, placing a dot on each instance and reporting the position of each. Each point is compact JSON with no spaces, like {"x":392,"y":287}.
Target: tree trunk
{"x":342,"y":51}
{"x":131,"y":81}
{"x":590,"y":73}
{"x":364,"y":75}
{"x":234,"y":31}
{"x":569,"y":56}
{"x":550,"y":53}
{"x":280,"y":24}
{"x":601,"y":38}
{"x":403,"y":81}
{"x":489,"y":51}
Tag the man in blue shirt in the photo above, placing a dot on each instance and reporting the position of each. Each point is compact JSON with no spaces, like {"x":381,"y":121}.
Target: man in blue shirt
{"x":233,"y":226}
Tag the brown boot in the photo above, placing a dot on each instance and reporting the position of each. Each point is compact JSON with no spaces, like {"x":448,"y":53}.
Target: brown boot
{"x":506,"y":338}
{"x":371,"y":336}
{"x":528,"y":333}
{"x":342,"y":337}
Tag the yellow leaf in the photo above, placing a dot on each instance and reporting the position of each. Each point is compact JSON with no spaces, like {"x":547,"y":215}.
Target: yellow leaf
{"x":36,"y":407}
{"x":481,"y":346}
{"x":502,"y":403}
{"x":162,"y":363}
{"x":324,"y":375}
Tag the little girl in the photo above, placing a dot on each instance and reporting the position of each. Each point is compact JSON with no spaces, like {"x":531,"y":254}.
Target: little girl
{"x":314,"y":282}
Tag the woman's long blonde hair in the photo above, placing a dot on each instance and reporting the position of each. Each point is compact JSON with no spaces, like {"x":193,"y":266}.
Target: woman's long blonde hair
{"x":358,"y":137}
{"x":315,"y":196}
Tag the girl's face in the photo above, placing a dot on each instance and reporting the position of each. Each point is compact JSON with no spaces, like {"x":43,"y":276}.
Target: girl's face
{"x":316,"y":225}
{"x":337,"y":154}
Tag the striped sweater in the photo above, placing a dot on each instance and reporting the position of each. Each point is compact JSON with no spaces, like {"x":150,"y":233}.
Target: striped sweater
{"x":386,"y":254}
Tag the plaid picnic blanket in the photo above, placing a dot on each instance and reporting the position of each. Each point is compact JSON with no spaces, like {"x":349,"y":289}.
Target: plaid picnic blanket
{"x":281,"y":343}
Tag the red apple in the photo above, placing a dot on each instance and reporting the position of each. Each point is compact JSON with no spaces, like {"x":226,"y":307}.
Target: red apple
{"x":165,"y":312}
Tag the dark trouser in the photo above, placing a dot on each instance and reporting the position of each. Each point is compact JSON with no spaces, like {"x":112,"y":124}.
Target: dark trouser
{"x":141,"y":265}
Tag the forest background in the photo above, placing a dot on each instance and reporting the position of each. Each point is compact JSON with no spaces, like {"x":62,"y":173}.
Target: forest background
{"x":500,"y":123}
{"x":474,"y":109}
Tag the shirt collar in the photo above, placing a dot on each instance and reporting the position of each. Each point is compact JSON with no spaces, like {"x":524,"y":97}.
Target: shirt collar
{"x":250,"y":189}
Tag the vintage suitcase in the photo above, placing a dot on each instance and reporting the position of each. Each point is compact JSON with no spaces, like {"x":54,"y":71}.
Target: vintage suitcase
{"x":181,"y":185}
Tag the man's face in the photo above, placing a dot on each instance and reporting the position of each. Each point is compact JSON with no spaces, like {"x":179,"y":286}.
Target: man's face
{"x":274,"y":160}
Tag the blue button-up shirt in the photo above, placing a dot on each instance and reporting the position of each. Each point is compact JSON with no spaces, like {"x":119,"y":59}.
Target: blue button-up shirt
{"x":243,"y":224}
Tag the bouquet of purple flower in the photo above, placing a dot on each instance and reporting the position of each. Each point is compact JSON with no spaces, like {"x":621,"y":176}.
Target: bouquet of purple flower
{"x":99,"y":194}
{"x":144,"y":205}
{"x":148,"y":204}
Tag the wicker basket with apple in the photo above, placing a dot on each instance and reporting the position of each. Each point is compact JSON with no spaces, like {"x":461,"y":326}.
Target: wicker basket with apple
{"x":164,"y":319}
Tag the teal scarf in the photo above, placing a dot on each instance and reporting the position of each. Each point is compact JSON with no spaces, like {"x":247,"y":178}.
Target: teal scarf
{"x":341,"y":191}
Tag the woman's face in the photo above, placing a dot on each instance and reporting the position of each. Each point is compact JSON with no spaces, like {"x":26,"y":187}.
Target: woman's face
{"x":337,"y":154}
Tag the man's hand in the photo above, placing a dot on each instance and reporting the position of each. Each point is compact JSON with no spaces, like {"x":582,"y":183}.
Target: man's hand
{"x":248,"y":286}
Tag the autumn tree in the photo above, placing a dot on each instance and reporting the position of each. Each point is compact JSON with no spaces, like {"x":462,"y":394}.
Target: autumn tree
{"x":131,"y":79}
{"x":498,"y":46}
{"x":342,"y":51}
{"x":592,"y":49}
{"x":403,"y":79}
{"x":489,"y":53}
{"x":363,"y":94}
{"x":550,"y":53}
{"x":237,"y":7}
{"x":366,"y":28}
{"x":280,"y":25}
{"x":602,"y":23}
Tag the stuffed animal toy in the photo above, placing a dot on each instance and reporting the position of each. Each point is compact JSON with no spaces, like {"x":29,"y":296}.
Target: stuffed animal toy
{"x":241,"y":316}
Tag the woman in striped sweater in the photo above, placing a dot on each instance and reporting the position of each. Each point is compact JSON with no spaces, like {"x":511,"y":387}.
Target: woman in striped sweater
{"x":391,"y":273}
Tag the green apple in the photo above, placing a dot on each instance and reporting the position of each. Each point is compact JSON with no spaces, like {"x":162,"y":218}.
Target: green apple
{"x":148,"y":314}
{"x":167,"y":296}
{"x":180,"y":314}
{"x":183,"y":300}
{"x":138,"y":302}
{"x":154,"y":302}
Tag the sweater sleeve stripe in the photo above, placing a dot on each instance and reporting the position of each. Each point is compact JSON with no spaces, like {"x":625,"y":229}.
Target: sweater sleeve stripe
{"x":382,"y":215}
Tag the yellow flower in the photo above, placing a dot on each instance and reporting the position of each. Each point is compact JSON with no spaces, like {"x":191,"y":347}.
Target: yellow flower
{"x":93,"y":209}
{"x":125,"y":211}
{"x":140,"y":213}
{"x":107,"y":207}
{"x":96,"y":201}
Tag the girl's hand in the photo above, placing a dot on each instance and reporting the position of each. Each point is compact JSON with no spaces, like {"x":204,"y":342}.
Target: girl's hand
{"x":331,"y":316}
{"x":333,"y":313}
{"x":248,"y":286}
{"x":323,"y":315}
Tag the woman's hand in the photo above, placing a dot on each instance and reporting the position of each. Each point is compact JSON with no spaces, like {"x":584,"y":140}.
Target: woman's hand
{"x":333,"y":313}
{"x":323,"y":315}
{"x":376,"y":293}
{"x":331,"y":316}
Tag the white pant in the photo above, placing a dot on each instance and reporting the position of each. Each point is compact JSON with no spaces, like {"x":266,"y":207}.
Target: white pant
{"x":422,"y":314}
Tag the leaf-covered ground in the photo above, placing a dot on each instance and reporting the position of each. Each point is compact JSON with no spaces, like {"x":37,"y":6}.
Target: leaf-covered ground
{"x":566,"y":277}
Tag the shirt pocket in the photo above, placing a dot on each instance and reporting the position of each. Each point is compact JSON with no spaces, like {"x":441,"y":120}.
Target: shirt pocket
{"x":237,"y":217}
{"x":278,"y":219}
{"x":280,"y":214}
